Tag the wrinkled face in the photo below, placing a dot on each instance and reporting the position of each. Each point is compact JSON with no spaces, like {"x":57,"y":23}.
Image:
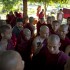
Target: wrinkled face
{"x":63,"y":32}
{"x":55,"y":26}
{"x":19,"y":25}
{"x":53,"y":47}
{"x":45,"y":33}
{"x":8,"y":34}
{"x":28,"y":35}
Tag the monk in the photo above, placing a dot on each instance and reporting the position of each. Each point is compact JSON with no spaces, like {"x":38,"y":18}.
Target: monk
{"x":6,"y":43}
{"x":41,"y":40}
{"x":55,"y":27}
{"x":68,"y":23}
{"x":39,"y":24}
{"x":65,"y":41}
{"x":11,"y":60}
{"x":18,"y":27}
{"x":50,"y":57}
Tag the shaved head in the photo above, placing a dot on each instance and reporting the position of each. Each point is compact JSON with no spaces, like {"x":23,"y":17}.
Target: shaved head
{"x":44,"y":31}
{"x":54,"y":38}
{"x":27,"y":33}
{"x":54,"y":44}
{"x":11,"y":60}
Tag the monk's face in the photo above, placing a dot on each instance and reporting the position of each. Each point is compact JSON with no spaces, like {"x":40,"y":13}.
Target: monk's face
{"x":62,"y":32}
{"x":55,"y":26}
{"x":20,"y":25}
{"x":8,"y":34}
{"x":49,"y":21}
{"x":68,"y":22}
{"x":53,"y":47}
{"x":28,"y":35}
{"x":45,"y":33}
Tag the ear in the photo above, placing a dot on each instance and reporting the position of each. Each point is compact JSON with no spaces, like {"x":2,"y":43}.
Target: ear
{"x":2,"y":34}
{"x":59,"y":44}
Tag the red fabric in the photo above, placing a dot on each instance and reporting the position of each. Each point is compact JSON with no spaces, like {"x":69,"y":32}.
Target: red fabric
{"x":41,"y":15}
{"x":66,"y":13}
{"x":24,"y":46}
{"x":11,"y":19}
{"x":64,"y":43}
{"x":38,"y":27}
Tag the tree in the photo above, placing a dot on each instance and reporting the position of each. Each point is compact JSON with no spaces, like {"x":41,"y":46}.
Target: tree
{"x":9,"y":4}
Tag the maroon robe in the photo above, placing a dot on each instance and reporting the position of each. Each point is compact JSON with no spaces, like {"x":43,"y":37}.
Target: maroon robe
{"x":68,"y":35}
{"x":44,"y":60}
{"x":38,"y":27}
{"x":64,"y":44}
{"x":24,"y":46}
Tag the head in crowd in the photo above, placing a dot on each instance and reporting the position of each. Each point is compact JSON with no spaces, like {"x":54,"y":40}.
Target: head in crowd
{"x":67,"y":65}
{"x":6,"y":32}
{"x":31,"y":20}
{"x":49,"y":20}
{"x":55,"y":25}
{"x":19,"y":23}
{"x":62,"y":31}
{"x":42,"y":20}
{"x":60,"y":10}
{"x":54,"y":44}
{"x":11,"y":60}
{"x":68,"y":21}
{"x":10,"y":13}
{"x":26,"y":19}
{"x":53,"y":18}
{"x":27,"y":33}
{"x":44,"y":31}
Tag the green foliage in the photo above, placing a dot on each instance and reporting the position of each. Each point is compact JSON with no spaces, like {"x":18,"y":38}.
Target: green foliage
{"x":9,"y":4}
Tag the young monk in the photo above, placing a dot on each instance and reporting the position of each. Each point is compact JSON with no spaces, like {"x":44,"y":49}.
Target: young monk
{"x":67,"y":65}
{"x":6,"y":43}
{"x":18,"y":27}
{"x":68,"y":23}
{"x":41,"y":40}
{"x":30,"y":25}
{"x":39,"y":24}
{"x":55,"y":27}
{"x":11,"y":60}
{"x":65,"y":41}
{"x":50,"y":57}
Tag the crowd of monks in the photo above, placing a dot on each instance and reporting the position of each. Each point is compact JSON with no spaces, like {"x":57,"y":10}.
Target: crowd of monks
{"x":23,"y":49}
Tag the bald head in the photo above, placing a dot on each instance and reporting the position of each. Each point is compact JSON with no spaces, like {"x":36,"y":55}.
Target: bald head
{"x":11,"y":60}
{"x":54,"y":44}
{"x":27,"y":33}
{"x":44,"y":31}
{"x":67,"y":65}
{"x":53,"y":38}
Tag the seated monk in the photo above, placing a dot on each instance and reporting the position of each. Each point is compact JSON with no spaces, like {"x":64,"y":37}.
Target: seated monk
{"x":65,"y":41}
{"x":50,"y":57}
{"x":6,"y":43}
{"x":11,"y":60}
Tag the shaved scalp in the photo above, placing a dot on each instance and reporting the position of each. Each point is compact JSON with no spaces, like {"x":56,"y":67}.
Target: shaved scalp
{"x":26,"y":31}
{"x":67,"y":65}
{"x":63,"y":26}
{"x":53,"y":38}
{"x":10,"y":60}
{"x":3,"y":28}
{"x":44,"y":27}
